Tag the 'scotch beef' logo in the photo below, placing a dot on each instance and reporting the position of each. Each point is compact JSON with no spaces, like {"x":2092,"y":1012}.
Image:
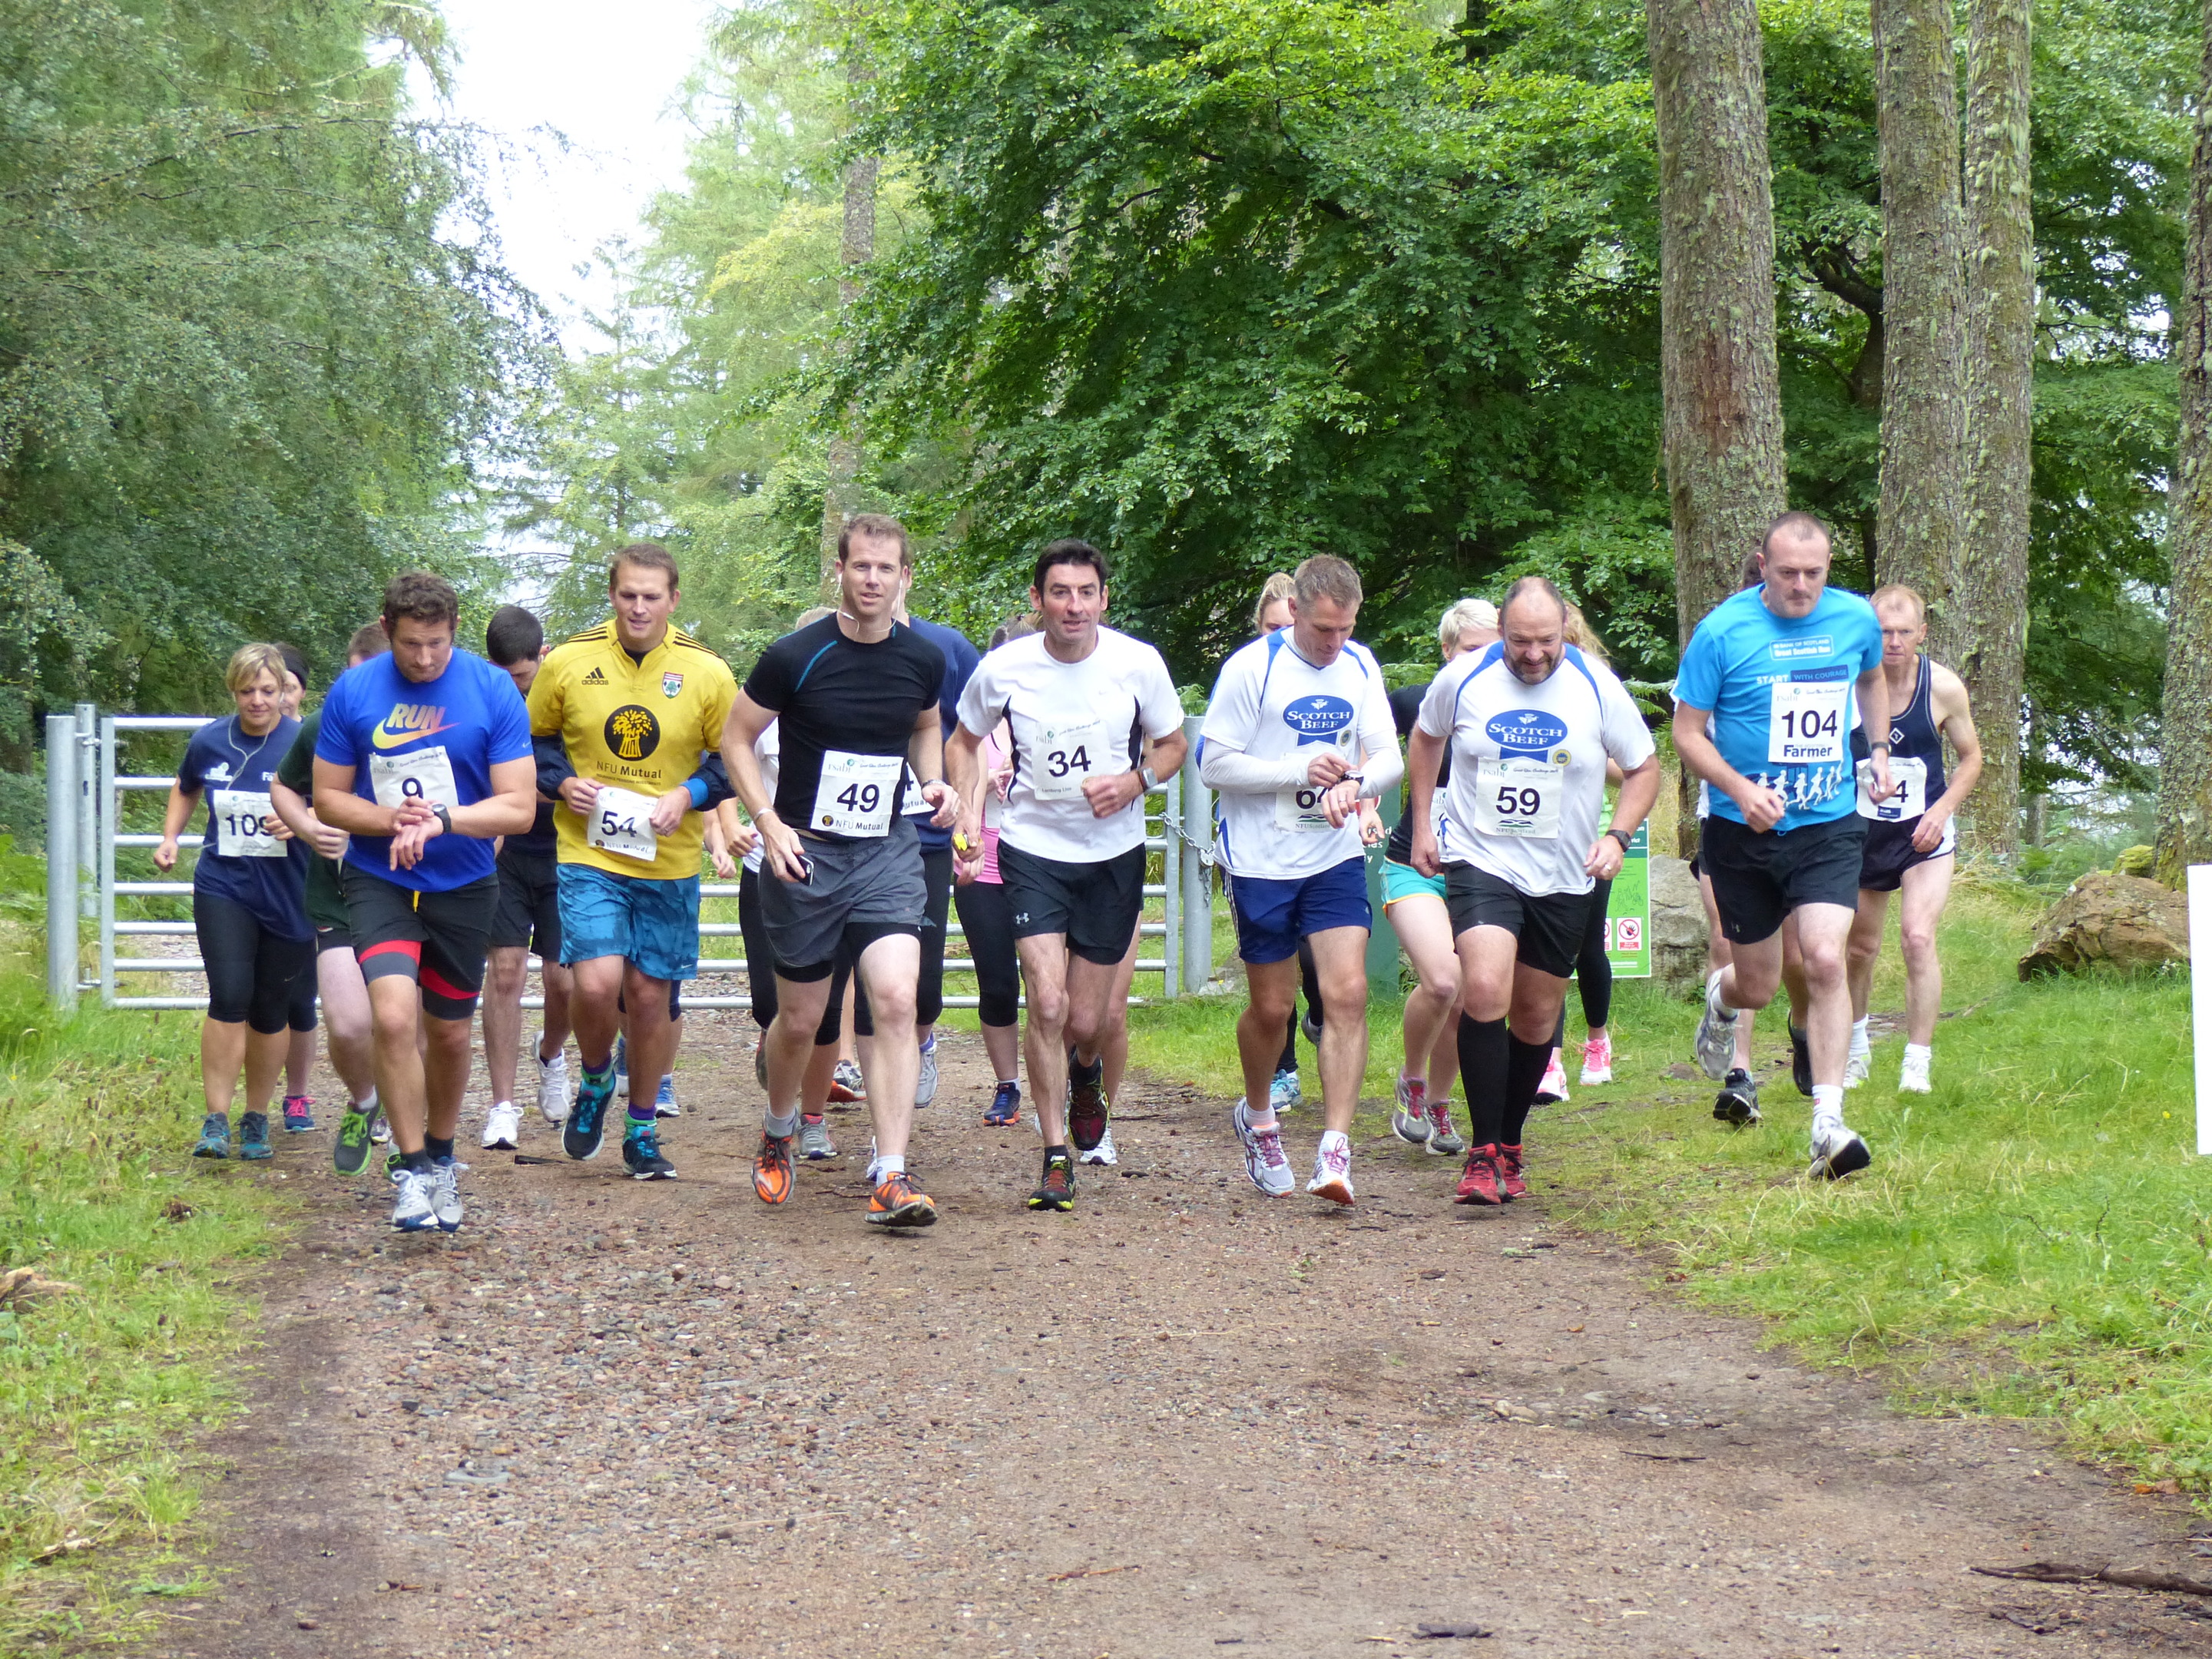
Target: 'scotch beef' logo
{"x":1526,"y":731}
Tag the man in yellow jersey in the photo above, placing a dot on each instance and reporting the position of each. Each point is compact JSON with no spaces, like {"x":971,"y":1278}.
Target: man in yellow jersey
{"x":634,"y":703}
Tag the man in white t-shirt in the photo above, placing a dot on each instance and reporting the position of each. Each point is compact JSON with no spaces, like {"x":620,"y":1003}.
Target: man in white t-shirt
{"x":1297,"y":734}
{"x":1094,"y":724}
{"x":1531,"y":723}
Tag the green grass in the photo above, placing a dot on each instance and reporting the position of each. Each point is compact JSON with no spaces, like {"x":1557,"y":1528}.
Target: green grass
{"x":2035,"y":1238}
{"x":106,"y":1393}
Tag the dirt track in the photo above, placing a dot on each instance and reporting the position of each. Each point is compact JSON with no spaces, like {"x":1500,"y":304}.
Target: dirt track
{"x":611,"y":1420}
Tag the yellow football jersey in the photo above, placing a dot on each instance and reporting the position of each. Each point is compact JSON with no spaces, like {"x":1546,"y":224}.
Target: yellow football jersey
{"x":639,"y":726}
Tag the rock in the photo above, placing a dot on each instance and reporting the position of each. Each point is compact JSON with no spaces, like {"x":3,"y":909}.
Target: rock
{"x":2136,"y":861}
{"x":2121,"y":920}
{"x":1678,"y":925}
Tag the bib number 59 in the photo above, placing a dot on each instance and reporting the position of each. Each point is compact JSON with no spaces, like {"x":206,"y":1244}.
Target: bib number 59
{"x":1522,"y":803}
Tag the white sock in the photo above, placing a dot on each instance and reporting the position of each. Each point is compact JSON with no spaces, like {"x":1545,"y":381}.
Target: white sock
{"x":1713,"y":995}
{"x":1917,"y":1055}
{"x":887,"y":1166}
{"x":780,"y":1127}
{"x":367,"y":1103}
{"x":1827,"y":1103}
{"x":1860,"y":1045}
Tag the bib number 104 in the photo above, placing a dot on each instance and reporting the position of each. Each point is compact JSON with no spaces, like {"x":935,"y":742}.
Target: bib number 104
{"x":1810,"y":725}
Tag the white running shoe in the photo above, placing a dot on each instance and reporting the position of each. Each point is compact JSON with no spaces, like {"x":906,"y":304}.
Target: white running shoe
{"x":1836,"y":1151}
{"x":1553,"y":1091}
{"x":446,"y":1193}
{"x":553,"y":1089}
{"x":412,"y":1208}
{"x":1410,"y":1122}
{"x":814,"y":1143}
{"x":1715,"y":1038}
{"x":1102,"y":1154}
{"x":1597,"y":1061}
{"x":503,"y":1126}
{"x":1265,"y":1161}
{"x":1912,"y":1075}
{"x":1857,"y":1069}
{"x":1444,"y":1140}
{"x":1331,"y":1175}
{"x":379,"y":1127}
{"x":925,"y":1082}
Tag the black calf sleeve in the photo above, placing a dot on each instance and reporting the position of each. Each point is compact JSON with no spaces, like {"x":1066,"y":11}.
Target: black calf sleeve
{"x":1482,"y":1076}
{"x":1524,"y":1075}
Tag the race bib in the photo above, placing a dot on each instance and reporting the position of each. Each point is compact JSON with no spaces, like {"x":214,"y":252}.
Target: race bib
{"x":1299,"y":810}
{"x":1805,"y":722}
{"x":1910,"y":803}
{"x":1067,"y":753}
{"x":243,"y":820}
{"x":620,"y":822}
{"x":1515,"y":795}
{"x":423,"y":774}
{"x":854,"y":797}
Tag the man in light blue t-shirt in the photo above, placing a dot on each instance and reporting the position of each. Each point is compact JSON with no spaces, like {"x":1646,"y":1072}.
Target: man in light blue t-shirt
{"x":1783,"y":672}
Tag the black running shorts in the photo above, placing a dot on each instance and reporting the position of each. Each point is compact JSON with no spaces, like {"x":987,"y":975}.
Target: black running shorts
{"x":1759,"y":876}
{"x":1095,"y":905}
{"x":1548,"y":927}
{"x":436,"y":939}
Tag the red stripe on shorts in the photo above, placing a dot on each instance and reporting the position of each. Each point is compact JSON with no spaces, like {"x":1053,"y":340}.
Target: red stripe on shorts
{"x":438,"y":984}
{"x":405,"y":947}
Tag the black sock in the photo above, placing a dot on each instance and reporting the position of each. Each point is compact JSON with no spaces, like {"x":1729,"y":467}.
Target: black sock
{"x":1559,"y":1032}
{"x":420,"y":1162}
{"x":435,"y":1149}
{"x":1482,"y":1077}
{"x":1524,"y":1075}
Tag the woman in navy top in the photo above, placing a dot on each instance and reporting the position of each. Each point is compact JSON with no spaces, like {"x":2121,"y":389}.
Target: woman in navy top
{"x":249,"y":898}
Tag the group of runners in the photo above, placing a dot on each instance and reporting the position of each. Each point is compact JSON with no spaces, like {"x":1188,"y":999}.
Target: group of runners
{"x":444,"y":815}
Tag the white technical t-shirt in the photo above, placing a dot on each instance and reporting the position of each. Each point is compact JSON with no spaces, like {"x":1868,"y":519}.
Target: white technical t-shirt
{"x":1269,"y":702}
{"x":767,"y":749}
{"x":1528,"y":777}
{"x":1071,"y":720}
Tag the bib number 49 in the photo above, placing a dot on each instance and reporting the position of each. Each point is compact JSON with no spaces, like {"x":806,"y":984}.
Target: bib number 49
{"x":860,"y":798}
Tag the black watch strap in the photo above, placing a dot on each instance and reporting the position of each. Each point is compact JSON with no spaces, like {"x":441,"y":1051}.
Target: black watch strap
{"x":1622,"y":839}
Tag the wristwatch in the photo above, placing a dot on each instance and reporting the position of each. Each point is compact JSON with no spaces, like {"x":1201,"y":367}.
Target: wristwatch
{"x":1151,"y":778}
{"x":1623,"y":840}
{"x":445,"y":818}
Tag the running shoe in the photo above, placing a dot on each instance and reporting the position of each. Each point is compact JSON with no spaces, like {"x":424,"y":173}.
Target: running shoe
{"x":1056,"y":1190}
{"x":1597,"y":1061}
{"x":502,"y":1131}
{"x":1265,"y":1161}
{"x":1510,"y":1185}
{"x":1715,"y":1038}
{"x":772,"y":1169}
{"x":760,"y":1063}
{"x":553,"y":1089}
{"x":621,"y":1061}
{"x":641,"y":1152}
{"x":446,"y":1193}
{"x":1444,"y":1140}
{"x":1312,"y":1027}
{"x":1006,"y":1108}
{"x":349,"y":1152}
{"x":1102,"y":1156}
{"x":1331,"y":1175}
{"x":663,"y":1103}
{"x":1086,"y":1101}
{"x":897,"y":1202}
{"x":394,"y":1162}
{"x":1912,"y":1075}
{"x":1857,"y":1069}
{"x":925,"y":1082}
{"x":299,"y":1114}
{"x":586,"y":1128}
{"x":253,"y":1136}
{"x":846,"y":1082}
{"x":215,"y":1137}
{"x":874,"y":1173}
{"x":1409,"y":1121}
{"x":814,"y":1143}
{"x":1553,"y":1091}
{"x":413,"y":1208}
{"x":1836,"y":1151}
{"x":1480,"y":1182}
{"x":1801,"y":1062}
{"x":1738,"y":1102}
{"x":379,"y":1127}
{"x":1284,"y":1093}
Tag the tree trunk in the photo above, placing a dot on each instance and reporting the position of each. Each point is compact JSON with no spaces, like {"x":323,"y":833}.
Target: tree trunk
{"x":2185,"y":795}
{"x":1723,"y":436}
{"x":1985,"y":636}
{"x":856,"y":248}
{"x":1924,"y":398}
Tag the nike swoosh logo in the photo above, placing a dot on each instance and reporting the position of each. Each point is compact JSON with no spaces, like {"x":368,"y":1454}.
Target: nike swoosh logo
{"x":385,"y":739}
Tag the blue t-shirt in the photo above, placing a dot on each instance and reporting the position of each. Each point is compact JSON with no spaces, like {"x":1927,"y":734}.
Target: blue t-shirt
{"x":961,"y":657}
{"x":220,"y":759}
{"x":1780,"y":692}
{"x":405,"y":738}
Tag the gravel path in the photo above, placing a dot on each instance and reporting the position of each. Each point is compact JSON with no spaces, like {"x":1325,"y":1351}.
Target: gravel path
{"x":612,"y":1419}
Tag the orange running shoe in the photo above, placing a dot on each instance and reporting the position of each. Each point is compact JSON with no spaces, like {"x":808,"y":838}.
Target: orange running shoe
{"x":1509,"y":1181}
{"x":1480,"y":1183}
{"x":897,"y":1202}
{"x":772,"y":1169}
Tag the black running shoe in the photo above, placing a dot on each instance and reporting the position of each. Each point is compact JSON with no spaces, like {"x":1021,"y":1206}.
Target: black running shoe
{"x":1086,"y":1104}
{"x":1739,"y":1099}
{"x":1801,"y":1062}
{"x":1057,"y":1190}
{"x":641,"y":1152}
{"x":1838,"y":1153}
{"x":580,"y":1136}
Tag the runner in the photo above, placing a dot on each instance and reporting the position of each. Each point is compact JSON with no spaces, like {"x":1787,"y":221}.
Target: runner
{"x":632,"y":703}
{"x":527,"y":920}
{"x":1776,"y":669}
{"x":300,"y":1054}
{"x":855,"y":699}
{"x":1910,"y":837}
{"x":1531,"y":723}
{"x":987,"y":921}
{"x":1296,"y":733}
{"x":1270,"y":614}
{"x":249,"y":898}
{"x":337,"y":974}
{"x":1415,"y":905}
{"x":1095,"y":723}
{"x":423,"y":758}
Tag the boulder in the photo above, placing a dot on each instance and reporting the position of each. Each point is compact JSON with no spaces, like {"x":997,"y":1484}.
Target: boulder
{"x":2136,"y":861}
{"x":2121,"y":920}
{"x":1678,"y":925}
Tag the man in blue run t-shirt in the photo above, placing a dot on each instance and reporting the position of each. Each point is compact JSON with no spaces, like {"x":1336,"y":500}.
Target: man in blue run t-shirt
{"x":424,"y":759}
{"x":1776,"y":670}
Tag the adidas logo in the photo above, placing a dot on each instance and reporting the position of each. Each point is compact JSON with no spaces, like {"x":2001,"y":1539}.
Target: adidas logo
{"x":596,"y":677}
